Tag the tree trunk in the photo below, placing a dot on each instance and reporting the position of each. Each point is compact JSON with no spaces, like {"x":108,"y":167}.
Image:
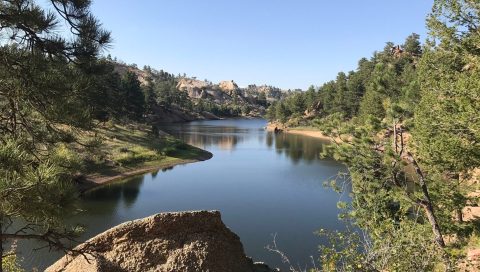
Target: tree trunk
{"x":427,"y":206}
{"x":459,"y":213}
{"x":426,"y":203}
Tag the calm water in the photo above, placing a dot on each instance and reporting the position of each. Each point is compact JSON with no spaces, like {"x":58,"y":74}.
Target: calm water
{"x":263,"y":183}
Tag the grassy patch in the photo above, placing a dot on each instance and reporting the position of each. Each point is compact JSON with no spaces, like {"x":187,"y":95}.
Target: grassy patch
{"x":115,"y":149}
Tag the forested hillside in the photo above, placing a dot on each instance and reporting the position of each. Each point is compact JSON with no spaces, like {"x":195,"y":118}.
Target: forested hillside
{"x":387,"y":79}
{"x":406,"y":123}
{"x":176,"y":98}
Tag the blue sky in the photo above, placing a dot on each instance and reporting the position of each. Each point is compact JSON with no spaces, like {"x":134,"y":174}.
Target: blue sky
{"x":289,"y":44}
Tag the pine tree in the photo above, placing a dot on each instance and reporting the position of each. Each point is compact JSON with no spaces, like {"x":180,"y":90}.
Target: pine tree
{"x":134,"y":100}
{"x":446,"y":120}
{"x":45,"y":82}
{"x":150,"y":96}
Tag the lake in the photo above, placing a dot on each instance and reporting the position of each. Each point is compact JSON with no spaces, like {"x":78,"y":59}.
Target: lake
{"x":263,"y":183}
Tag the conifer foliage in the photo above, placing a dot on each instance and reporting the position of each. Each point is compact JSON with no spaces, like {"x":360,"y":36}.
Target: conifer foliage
{"x":48,"y":82}
{"x":406,"y":123}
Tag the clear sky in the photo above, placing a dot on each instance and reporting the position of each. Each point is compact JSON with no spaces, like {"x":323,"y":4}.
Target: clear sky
{"x":289,"y":44}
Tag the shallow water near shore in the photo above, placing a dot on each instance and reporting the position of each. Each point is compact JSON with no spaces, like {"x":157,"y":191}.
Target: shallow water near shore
{"x":262,"y":183}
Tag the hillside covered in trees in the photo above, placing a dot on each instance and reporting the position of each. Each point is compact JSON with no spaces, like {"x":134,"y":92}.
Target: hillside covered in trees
{"x":388,"y":78}
{"x":406,"y":123}
{"x":169,"y":98}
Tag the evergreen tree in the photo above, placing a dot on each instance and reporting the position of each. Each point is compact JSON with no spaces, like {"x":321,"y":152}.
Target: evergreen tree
{"x":262,"y":99}
{"x":412,"y":45}
{"x":310,"y":97}
{"x":45,"y":80}
{"x":150,"y":96}
{"x":134,"y":100}
{"x":296,"y":104}
{"x":327,"y":95}
{"x":281,"y":112}
{"x":447,"y":126}
{"x":341,"y":93}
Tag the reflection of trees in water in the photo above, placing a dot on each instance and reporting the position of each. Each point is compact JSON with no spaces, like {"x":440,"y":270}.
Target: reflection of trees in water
{"x":203,"y":136}
{"x":270,"y":139}
{"x":111,"y":195}
{"x":166,"y":169}
{"x":296,"y":147}
{"x":131,"y":189}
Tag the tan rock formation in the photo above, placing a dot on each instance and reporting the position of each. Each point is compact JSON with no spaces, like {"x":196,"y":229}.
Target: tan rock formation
{"x":186,"y":83}
{"x":194,"y":88}
{"x":228,"y":85}
{"x":183,"y":241}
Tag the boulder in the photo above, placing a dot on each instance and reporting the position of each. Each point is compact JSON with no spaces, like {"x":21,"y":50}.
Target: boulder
{"x":181,"y":241}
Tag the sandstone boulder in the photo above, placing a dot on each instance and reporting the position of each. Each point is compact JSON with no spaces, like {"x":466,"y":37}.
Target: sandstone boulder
{"x":183,"y":241}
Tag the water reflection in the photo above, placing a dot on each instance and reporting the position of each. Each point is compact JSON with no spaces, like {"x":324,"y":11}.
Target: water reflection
{"x":262,"y":183}
{"x":205,"y":135}
{"x":226,"y":135}
{"x":296,"y":147}
{"x":111,"y":195}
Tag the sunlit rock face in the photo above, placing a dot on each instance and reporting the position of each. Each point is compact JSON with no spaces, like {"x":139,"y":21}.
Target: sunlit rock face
{"x":229,"y":87}
{"x":183,"y":241}
{"x":194,"y":88}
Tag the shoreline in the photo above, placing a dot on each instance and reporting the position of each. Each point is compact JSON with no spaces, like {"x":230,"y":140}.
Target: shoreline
{"x":91,"y":182}
{"x":280,"y":128}
{"x":210,"y":118}
{"x":310,"y":133}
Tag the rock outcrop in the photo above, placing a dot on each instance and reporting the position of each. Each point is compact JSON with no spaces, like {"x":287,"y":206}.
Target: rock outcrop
{"x":271,"y":93}
{"x":201,"y":89}
{"x":229,"y":87}
{"x":194,"y":88}
{"x":183,"y":241}
{"x":225,"y":99}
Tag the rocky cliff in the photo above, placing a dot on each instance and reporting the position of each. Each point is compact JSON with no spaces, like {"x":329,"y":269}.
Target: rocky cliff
{"x":228,"y":90}
{"x":192,"y":99}
{"x":183,"y":241}
{"x":198,"y":89}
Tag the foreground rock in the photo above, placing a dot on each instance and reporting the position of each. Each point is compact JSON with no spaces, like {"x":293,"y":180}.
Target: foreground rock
{"x":184,"y":241}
